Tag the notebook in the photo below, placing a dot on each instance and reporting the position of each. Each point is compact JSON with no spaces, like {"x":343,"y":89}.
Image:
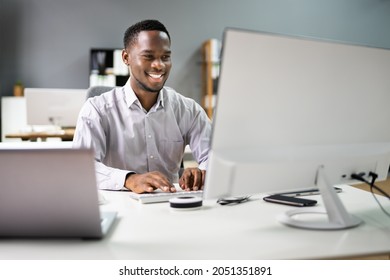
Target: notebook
{"x":50,"y":192}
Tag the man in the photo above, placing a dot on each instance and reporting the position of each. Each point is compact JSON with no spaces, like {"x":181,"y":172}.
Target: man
{"x":139,"y":131}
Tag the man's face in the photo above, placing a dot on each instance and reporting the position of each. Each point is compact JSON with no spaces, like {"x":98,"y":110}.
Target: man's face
{"x":149,"y":60}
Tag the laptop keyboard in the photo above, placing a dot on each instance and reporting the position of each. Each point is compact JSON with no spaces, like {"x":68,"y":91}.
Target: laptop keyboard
{"x":163,"y":196}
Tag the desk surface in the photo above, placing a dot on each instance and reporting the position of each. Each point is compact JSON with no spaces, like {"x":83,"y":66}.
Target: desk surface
{"x":245,"y":231}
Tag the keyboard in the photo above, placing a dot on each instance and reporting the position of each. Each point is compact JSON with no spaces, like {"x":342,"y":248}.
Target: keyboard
{"x":160,"y":196}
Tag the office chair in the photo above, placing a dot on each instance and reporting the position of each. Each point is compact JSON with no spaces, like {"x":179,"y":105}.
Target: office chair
{"x":97,"y":90}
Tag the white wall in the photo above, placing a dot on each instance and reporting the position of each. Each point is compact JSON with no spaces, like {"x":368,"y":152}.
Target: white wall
{"x":13,"y":116}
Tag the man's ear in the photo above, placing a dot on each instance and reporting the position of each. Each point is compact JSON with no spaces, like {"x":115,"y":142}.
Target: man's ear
{"x":125,"y":57}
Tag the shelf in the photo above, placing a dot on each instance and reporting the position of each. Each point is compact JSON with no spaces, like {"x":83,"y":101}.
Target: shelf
{"x":107,"y":68}
{"x":210,"y":74}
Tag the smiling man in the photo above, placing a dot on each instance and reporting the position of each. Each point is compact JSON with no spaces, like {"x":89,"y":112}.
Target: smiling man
{"x":139,"y":132}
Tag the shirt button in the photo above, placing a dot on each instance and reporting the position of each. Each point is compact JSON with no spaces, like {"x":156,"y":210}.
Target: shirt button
{"x":149,"y":136}
{"x":152,"y":157}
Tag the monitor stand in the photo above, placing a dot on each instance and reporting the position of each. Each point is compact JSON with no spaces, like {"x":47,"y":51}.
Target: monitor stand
{"x":338,"y":217}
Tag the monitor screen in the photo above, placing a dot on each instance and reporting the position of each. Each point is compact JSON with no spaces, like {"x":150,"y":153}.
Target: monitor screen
{"x":59,"y":107}
{"x":291,"y":108}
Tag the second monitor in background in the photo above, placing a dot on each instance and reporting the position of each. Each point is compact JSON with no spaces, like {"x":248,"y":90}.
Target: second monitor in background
{"x":57,"y":107}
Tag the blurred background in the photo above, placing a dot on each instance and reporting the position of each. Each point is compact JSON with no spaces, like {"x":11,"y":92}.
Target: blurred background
{"x":48,"y":43}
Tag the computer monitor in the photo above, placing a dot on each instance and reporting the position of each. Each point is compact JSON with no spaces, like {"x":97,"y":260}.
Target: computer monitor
{"x":296,"y":112}
{"x":51,"y":106}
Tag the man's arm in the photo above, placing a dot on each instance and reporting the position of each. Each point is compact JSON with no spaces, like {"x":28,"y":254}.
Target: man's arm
{"x":90,"y":134}
{"x":199,"y":137}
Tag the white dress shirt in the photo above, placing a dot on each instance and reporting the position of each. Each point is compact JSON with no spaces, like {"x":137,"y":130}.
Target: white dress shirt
{"x":126,"y":138}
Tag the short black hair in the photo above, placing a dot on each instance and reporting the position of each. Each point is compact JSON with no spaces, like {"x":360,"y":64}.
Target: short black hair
{"x":132,"y":32}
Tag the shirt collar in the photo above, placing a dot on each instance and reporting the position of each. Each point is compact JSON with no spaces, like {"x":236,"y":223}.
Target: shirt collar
{"x":160,"y":99}
{"x":129,"y":94}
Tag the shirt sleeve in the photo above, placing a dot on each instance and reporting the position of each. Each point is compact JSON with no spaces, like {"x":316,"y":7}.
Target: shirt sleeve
{"x":109,"y":178}
{"x":199,"y":136}
{"x":90,"y":134}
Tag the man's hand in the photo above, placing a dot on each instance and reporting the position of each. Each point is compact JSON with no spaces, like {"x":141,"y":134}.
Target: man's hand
{"x":148,"y":182}
{"x":192,"y":179}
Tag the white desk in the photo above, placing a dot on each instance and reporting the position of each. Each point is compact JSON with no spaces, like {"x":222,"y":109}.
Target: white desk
{"x":245,"y":231}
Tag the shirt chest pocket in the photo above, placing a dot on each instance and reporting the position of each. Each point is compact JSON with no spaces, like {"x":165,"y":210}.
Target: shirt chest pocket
{"x":171,"y":150}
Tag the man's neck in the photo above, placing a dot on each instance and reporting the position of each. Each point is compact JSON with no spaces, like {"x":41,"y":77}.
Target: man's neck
{"x":147,"y":100}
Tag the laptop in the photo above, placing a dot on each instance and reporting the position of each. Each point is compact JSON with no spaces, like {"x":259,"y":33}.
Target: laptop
{"x":50,"y":193}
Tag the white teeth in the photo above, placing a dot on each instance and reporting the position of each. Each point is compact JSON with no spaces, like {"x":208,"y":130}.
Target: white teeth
{"x":155,"y":76}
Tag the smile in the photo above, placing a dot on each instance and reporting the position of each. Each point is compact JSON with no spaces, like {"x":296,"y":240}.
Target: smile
{"x":156,"y":76}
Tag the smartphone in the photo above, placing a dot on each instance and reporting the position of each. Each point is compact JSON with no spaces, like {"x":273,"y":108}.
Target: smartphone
{"x":304,"y":192}
{"x":289,"y":200}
